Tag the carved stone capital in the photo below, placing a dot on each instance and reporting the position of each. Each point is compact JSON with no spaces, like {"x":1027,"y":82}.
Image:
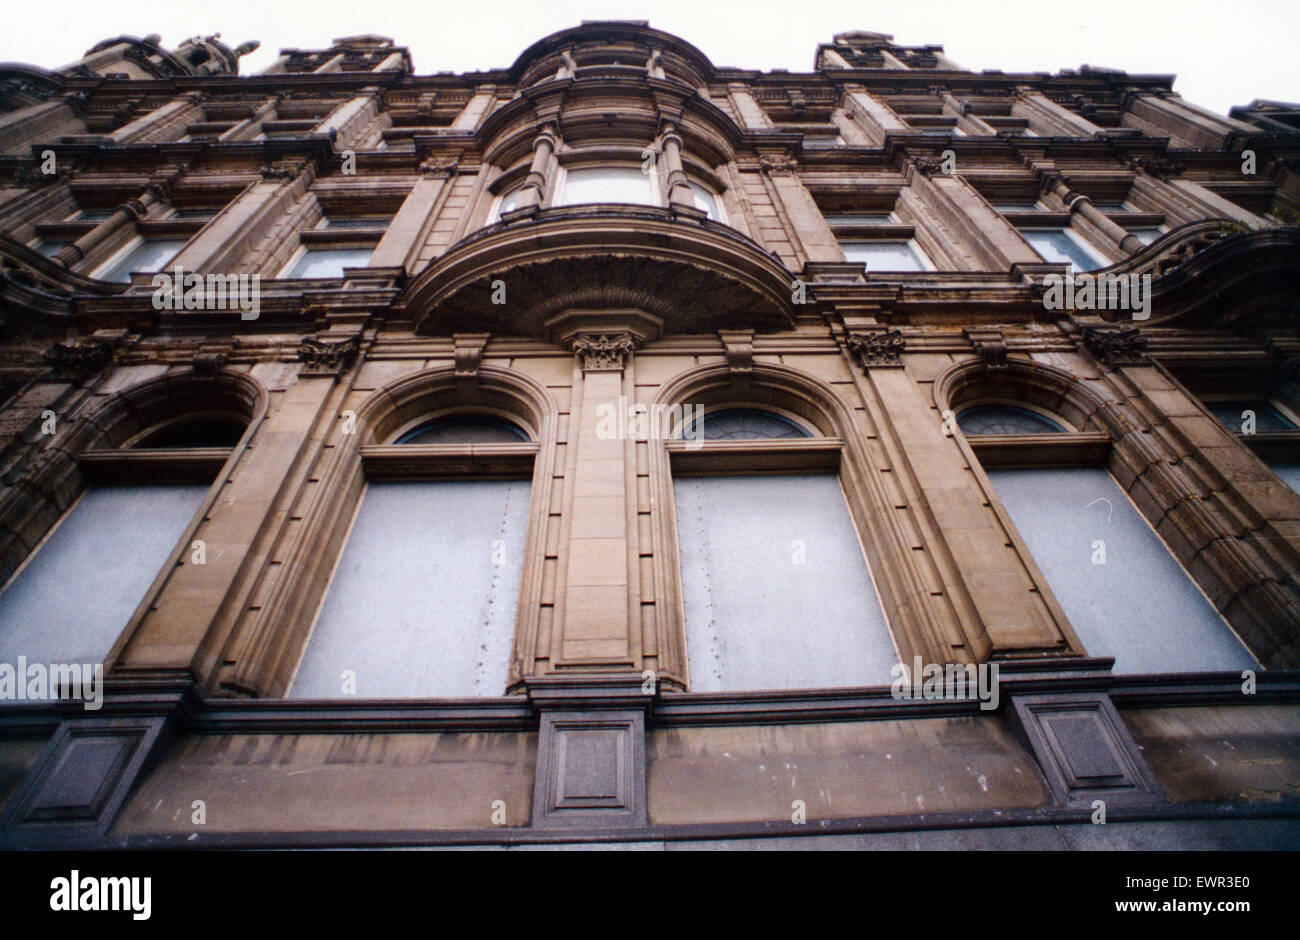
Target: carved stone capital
{"x":1116,"y":346}
{"x":328,"y":357}
{"x":439,"y":167}
{"x":877,"y":348}
{"x":777,"y":164}
{"x":77,"y":359}
{"x":603,"y":352}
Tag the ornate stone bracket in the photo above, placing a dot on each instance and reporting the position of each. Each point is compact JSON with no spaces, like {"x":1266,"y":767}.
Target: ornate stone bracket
{"x":1116,"y":347}
{"x":990,"y":347}
{"x":328,"y":358}
{"x":740,"y":353}
{"x":881,"y":348}
{"x":469,"y":356}
{"x":603,"y":352}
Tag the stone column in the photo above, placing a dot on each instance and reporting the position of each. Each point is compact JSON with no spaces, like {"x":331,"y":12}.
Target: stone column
{"x":126,"y":214}
{"x":1080,"y":205}
{"x":679,"y":191}
{"x":540,"y":174}
{"x":599,"y":625}
{"x":967,"y":121}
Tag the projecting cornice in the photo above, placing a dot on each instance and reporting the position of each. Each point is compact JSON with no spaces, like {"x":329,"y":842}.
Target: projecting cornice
{"x":694,"y":275}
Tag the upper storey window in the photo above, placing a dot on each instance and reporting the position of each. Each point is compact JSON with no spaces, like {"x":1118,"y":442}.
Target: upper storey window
{"x":1062,"y":246}
{"x":608,"y":184}
{"x":887,"y":255}
{"x":143,"y":254}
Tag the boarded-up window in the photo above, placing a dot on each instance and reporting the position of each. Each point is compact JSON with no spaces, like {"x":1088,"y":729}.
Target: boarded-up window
{"x":1124,"y":592}
{"x":423,"y":601}
{"x":776,"y":588}
{"x":74,"y":596}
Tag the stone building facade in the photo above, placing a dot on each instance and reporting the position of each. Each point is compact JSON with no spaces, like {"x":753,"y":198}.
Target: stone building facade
{"x":613,"y":446}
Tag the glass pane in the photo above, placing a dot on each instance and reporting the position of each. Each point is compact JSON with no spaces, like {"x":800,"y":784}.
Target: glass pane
{"x":50,"y":249}
{"x":1146,"y":235}
{"x":148,"y":256}
{"x":736,"y":424}
{"x":608,"y":184}
{"x":1016,"y":206}
{"x":1139,"y":606}
{"x":355,"y":221}
{"x":423,"y":601}
{"x":861,"y":218}
{"x":884,"y":255}
{"x":704,"y":200}
{"x":1288,"y":473}
{"x":465,"y":430}
{"x":1232,"y":415}
{"x":1058,"y":247}
{"x":1004,"y":419}
{"x":74,"y":596}
{"x":330,"y":262}
{"x":777,"y":591}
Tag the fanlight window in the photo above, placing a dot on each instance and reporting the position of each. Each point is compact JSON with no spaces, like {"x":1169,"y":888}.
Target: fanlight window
{"x":738,"y":424}
{"x":467,"y":429}
{"x":197,"y":431}
{"x":1005,"y":419}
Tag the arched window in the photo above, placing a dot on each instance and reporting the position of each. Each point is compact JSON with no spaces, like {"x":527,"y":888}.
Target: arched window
{"x":776,"y":589}
{"x":423,"y":599}
{"x":1124,"y":592}
{"x":79,"y":587}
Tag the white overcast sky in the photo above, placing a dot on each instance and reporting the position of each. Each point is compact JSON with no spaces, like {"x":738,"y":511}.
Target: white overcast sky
{"x":1224,"y":52}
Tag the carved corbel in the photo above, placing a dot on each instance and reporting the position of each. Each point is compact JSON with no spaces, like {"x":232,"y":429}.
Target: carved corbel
{"x":739,"y":345}
{"x":992,"y":350}
{"x":439,"y":167}
{"x":469,"y":356}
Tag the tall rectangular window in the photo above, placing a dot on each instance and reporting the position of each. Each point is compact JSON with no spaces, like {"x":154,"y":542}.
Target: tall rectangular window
{"x":1124,"y":592}
{"x":776,"y":587}
{"x":75,"y":594}
{"x":423,"y":601}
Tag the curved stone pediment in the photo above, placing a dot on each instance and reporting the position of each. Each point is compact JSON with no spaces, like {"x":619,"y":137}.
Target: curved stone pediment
{"x":694,"y":275}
